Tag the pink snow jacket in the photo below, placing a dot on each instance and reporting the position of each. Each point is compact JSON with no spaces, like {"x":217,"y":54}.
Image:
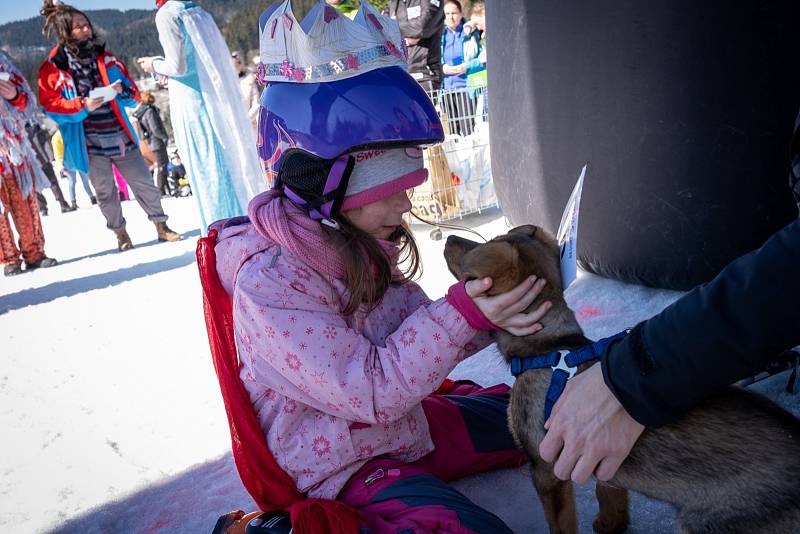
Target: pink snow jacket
{"x":329,"y":391}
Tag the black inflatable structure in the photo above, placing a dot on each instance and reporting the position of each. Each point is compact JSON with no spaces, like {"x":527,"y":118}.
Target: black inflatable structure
{"x":683,"y":110}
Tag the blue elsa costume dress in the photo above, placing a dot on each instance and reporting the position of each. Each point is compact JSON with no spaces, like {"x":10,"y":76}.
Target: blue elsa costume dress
{"x":214,"y":137}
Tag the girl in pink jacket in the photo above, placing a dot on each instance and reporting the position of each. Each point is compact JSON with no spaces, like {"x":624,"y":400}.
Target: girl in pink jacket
{"x":340,"y":351}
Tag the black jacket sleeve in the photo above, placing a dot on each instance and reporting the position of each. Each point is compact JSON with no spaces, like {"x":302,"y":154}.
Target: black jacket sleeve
{"x":794,"y":174}
{"x":716,"y":334}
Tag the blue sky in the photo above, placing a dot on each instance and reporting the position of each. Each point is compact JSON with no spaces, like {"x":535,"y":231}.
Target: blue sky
{"x":24,"y":9}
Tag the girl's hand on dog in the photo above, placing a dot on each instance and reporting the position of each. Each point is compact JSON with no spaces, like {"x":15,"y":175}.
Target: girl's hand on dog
{"x":589,"y":432}
{"x":506,"y":310}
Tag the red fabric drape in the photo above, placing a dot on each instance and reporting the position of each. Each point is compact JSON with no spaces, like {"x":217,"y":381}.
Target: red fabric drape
{"x":267,"y":483}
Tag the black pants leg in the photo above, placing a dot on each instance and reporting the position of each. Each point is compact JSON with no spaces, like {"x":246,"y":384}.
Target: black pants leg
{"x":161,"y":170}
{"x":54,"y":187}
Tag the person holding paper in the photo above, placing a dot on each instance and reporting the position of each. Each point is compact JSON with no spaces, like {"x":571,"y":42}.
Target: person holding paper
{"x":20,"y":176}
{"x":84,"y":88}
{"x":212,"y":131}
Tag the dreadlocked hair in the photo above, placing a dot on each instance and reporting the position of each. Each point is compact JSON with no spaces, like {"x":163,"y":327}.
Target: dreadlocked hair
{"x":368,"y":285}
{"x":58,"y":22}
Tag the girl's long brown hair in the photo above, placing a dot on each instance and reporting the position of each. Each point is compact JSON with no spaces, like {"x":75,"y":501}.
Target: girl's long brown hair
{"x":368,"y":271}
{"x":58,"y":22}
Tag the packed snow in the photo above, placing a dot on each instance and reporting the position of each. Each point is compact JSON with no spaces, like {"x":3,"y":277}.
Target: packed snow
{"x":111,"y":413}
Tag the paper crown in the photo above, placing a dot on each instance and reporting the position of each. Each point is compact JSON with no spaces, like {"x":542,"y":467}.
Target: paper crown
{"x":326,"y":46}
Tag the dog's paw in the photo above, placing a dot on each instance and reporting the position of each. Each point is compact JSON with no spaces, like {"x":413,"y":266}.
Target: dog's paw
{"x":611,"y":523}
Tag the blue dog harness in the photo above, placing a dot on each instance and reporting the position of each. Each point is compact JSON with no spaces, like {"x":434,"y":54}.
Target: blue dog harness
{"x":564,"y":364}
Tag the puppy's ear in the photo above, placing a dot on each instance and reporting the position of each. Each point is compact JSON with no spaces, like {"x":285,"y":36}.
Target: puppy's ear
{"x":526,"y":229}
{"x":454,"y":250}
{"x":497,"y":259}
{"x":548,"y":239}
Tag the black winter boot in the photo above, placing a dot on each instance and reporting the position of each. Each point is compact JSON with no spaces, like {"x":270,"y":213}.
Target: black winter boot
{"x":12,"y":269}
{"x":43,"y":263}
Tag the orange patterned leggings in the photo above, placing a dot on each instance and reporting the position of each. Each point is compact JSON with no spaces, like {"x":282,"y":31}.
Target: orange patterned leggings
{"x":25,"y":213}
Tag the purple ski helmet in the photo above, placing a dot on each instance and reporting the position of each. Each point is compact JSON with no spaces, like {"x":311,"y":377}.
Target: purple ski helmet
{"x":308,"y":129}
{"x":334,"y":87}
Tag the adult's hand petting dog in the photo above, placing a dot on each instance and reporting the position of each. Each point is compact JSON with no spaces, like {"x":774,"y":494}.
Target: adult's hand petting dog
{"x":506,"y":310}
{"x":588,"y":431}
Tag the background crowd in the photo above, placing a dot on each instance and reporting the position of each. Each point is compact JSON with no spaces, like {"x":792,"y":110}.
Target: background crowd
{"x":148,"y":145}
{"x":447,"y":55}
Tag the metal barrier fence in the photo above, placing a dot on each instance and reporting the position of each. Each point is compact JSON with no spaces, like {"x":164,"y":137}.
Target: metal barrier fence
{"x":459,"y":170}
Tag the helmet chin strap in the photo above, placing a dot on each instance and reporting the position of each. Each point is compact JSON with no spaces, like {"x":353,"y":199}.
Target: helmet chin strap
{"x":323,"y":207}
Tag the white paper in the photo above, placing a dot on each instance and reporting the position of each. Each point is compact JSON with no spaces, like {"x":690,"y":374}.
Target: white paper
{"x":5,"y":76}
{"x":107,"y":92}
{"x":568,"y":234}
{"x":414,"y":12}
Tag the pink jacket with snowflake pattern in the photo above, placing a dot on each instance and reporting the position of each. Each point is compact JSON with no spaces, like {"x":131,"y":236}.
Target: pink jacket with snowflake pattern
{"x":332,"y":392}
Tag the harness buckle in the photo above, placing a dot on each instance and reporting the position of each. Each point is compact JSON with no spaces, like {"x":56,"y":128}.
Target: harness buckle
{"x":562,"y":364}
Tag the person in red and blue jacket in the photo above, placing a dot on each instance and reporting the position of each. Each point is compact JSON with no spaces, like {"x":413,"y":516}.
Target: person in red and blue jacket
{"x":96,"y":132}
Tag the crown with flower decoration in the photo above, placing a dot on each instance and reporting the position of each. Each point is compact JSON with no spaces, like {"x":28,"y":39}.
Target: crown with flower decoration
{"x":326,"y":46}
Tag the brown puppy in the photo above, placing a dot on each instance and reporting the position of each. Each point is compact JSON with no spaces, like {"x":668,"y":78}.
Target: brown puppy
{"x":731,"y":465}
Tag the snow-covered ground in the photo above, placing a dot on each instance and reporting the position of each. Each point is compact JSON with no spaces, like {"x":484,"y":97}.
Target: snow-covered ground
{"x":110,"y":411}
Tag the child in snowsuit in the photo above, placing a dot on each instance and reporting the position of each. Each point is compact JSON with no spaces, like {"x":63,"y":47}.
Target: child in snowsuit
{"x":340,"y":351}
{"x":178,"y":183}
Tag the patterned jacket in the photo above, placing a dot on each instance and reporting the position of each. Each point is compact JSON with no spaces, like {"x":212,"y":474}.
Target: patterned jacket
{"x":60,"y":100}
{"x":329,"y":391}
{"x":19,"y":103}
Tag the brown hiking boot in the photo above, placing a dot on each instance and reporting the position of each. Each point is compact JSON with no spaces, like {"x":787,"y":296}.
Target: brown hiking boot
{"x":123,"y":240}
{"x":165,"y":234}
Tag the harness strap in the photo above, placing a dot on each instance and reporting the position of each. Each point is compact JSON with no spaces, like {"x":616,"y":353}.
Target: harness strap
{"x":557,"y":384}
{"x":564,"y":365}
{"x":520,"y":364}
